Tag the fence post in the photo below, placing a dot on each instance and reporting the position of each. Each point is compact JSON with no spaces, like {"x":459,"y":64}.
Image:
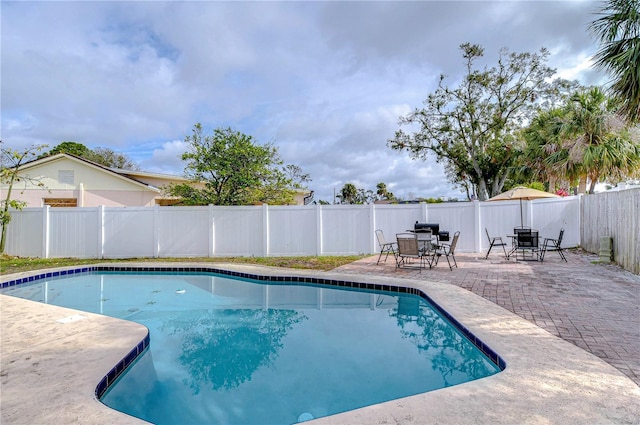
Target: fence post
{"x":212,"y":232}
{"x":265,"y":230}
{"x":580,"y":202}
{"x":372,"y":228}
{"x":477,"y":236}
{"x":156,"y":231}
{"x":319,"y":229}
{"x":100,"y":231}
{"x":45,"y":231}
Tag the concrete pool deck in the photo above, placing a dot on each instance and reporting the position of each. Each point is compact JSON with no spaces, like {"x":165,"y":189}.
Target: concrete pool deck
{"x":50,"y":370}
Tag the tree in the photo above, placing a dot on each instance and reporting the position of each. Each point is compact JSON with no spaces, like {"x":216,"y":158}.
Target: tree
{"x":110,"y":158}
{"x":544,"y":149}
{"x":618,"y":31}
{"x":234,"y":170}
{"x":103,"y":156}
{"x":365,"y":196}
{"x":597,"y":140}
{"x":582,"y":140}
{"x":348,"y":194}
{"x":472,"y":129}
{"x":383,"y":193}
{"x":10,"y":164}
{"x":73,"y":148}
{"x":298,"y":178}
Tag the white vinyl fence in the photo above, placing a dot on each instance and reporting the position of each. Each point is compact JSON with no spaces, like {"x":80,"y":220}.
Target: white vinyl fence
{"x":214,"y":231}
{"x":616,"y":215}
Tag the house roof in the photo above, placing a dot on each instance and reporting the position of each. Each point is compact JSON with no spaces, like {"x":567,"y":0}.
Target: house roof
{"x":148,"y":174}
{"x":141,"y":175}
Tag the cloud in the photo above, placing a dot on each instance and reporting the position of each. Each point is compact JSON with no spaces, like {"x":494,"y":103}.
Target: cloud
{"x":166,"y":158}
{"x":324,"y":81}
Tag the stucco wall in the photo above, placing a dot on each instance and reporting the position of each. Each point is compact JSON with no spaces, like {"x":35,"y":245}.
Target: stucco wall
{"x":108,"y":198}
{"x":91,"y":186}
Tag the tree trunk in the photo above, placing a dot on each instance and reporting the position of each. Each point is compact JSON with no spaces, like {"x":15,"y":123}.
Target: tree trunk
{"x":553,"y":180}
{"x":6,"y":217}
{"x":3,"y":238}
{"x":594,"y":181}
{"x":482,"y":190}
{"x":582,"y":185}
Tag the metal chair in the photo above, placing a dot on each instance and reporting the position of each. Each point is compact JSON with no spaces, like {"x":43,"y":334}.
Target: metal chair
{"x":385,"y":247}
{"x":527,"y":241}
{"x":495,"y":241}
{"x":409,"y":249}
{"x":550,"y":244}
{"x":448,"y":250}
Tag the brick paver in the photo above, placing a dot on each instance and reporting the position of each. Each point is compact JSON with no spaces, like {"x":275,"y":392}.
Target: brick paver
{"x":594,"y":306}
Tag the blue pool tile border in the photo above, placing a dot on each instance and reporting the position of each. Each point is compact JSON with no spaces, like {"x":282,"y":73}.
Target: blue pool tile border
{"x":113,"y":375}
{"x":137,"y":351}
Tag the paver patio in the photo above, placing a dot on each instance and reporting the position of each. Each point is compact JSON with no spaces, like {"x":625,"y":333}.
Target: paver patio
{"x":594,"y":306}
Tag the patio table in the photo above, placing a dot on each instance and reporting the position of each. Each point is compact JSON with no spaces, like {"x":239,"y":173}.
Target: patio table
{"x":428,"y":244}
{"x":534,"y":247}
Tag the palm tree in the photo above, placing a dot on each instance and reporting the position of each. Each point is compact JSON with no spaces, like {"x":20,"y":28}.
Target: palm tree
{"x":348,"y":194}
{"x":583,"y":140}
{"x":382,"y":191}
{"x":618,"y":31}
{"x":598,"y":144}
{"x":544,"y":149}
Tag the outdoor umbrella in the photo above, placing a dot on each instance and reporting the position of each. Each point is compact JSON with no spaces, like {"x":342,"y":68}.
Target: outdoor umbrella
{"x":521,"y":193}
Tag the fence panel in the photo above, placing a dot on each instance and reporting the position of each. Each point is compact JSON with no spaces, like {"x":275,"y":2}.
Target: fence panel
{"x":456,"y":216}
{"x":183,"y":231}
{"x":128,"y":232}
{"x":238,"y":231}
{"x":73,"y":232}
{"x":293,"y":230}
{"x":346,"y":229}
{"x":501,"y":217}
{"x":613,"y":214}
{"x":394,"y":219}
{"x":551,"y":215}
{"x":25,"y":233}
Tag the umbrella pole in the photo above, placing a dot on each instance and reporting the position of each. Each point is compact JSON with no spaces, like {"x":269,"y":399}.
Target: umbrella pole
{"x":521,"y":219}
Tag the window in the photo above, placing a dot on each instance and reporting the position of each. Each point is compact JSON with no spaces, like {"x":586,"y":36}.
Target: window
{"x":65,"y":176}
{"x":61,"y":202}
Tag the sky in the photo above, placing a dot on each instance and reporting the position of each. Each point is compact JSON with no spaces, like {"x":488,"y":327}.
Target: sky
{"x":324,"y":82}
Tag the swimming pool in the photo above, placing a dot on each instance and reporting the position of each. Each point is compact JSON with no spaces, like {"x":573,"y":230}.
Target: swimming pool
{"x":241,"y":351}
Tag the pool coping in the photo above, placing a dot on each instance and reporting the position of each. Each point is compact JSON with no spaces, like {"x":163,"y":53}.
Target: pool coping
{"x":547,"y":380}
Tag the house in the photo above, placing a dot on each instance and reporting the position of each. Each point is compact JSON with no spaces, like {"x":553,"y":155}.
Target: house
{"x":65,"y":180}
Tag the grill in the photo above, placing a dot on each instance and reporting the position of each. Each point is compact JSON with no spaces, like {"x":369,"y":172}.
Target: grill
{"x":442,"y":235}
{"x":424,"y":227}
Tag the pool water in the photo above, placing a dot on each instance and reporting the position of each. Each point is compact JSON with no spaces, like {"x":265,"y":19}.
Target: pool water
{"x":234,"y":351}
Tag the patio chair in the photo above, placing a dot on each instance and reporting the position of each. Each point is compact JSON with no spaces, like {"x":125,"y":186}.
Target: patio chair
{"x":527,"y":242}
{"x":550,"y":244}
{"x":495,"y":241}
{"x":409,"y":249}
{"x":448,"y":250}
{"x":385,"y":247}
